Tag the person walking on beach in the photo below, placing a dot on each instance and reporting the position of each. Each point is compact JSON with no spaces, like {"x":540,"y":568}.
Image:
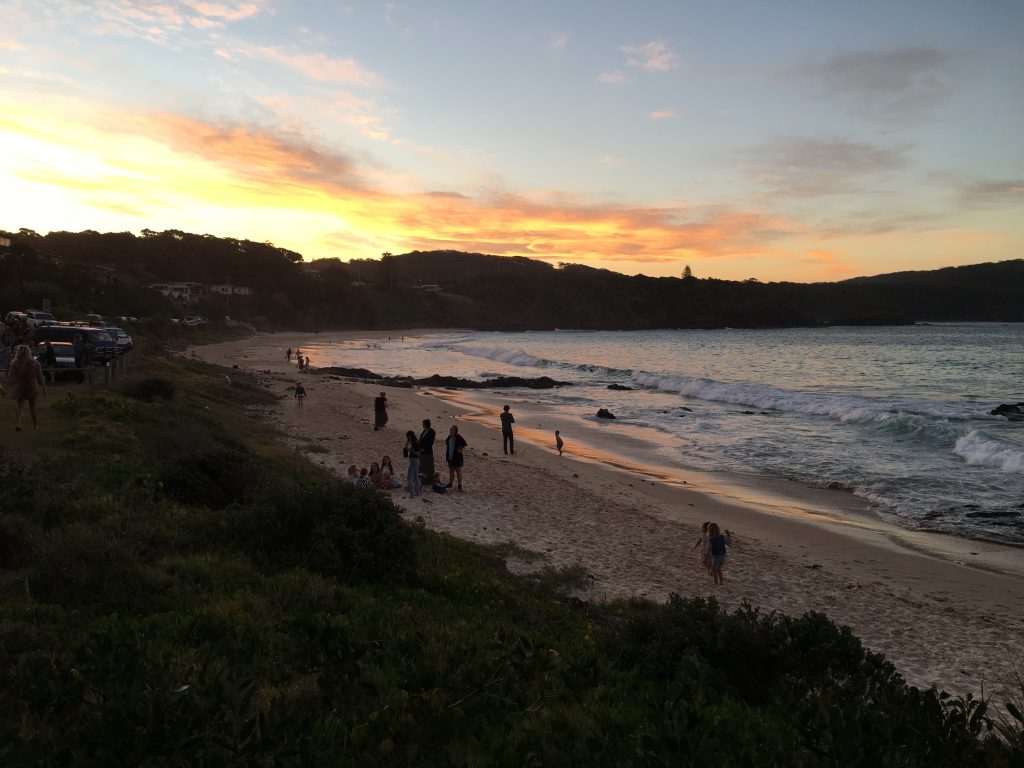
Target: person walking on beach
{"x":300,"y":394}
{"x":427,"y":437}
{"x":453,"y":447}
{"x":288,"y":354}
{"x":412,"y":452}
{"x":717,"y":543}
{"x":25,"y":378}
{"x":507,"y":439}
{"x":559,"y":443}
{"x":380,"y":411}
{"x":702,"y":542}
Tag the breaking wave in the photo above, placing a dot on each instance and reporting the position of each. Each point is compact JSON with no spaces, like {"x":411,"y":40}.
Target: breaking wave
{"x":980,"y":450}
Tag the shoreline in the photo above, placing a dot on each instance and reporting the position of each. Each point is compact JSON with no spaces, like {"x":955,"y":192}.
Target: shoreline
{"x":944,"y":623}
{"x":783,"y":497}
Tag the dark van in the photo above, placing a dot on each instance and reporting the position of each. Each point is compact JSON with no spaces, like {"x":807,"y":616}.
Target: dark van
{"x":104,"y":347}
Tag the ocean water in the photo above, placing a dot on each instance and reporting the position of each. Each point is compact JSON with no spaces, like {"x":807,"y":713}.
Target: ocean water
{"x":898,"y":416}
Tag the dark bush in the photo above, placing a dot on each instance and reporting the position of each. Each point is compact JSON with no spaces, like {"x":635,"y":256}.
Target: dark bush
{"x":212,"y":479}
{"x":81,"y":567}
{"x":150,"y":389}
{"x":19,"y":541}
{"x":327,"y":526}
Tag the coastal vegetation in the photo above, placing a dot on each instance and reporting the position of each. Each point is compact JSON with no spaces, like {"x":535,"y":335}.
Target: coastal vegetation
{"x":109,"y":273}
{"x":178,"y":587}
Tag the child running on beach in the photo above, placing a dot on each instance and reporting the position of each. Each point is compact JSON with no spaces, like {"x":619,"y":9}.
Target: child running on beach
{"x":300,"y":394}
{"x":717,"y":543}
{"x":702,"y":542}
{"x":559,"y":443}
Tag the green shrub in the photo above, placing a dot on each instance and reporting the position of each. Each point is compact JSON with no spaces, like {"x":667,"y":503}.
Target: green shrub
{"x":150,"y":389}
{"x":19,"y":541}
{"x":326,"y":526}
{"x":100,"y":406}
{"x":82,"y":567}
{"x":213,"y":479}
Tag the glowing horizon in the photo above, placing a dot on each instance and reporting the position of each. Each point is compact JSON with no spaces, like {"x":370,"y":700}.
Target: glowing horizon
{"x":330,"y":133}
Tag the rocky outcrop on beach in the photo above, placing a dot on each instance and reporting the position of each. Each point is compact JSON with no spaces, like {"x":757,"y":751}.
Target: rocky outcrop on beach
{"x":604,"y":413}
{"x":620,"y":388}
{"x":452,"y":382}
{"x":1013,"y":412}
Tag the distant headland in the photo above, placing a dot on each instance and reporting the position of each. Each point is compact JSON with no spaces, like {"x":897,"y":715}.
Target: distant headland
{"x":176,"y":274}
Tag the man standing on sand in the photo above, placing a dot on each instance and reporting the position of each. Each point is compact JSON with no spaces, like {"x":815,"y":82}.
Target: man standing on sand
{"x":380,"y":411}
{"x":507,"y":439}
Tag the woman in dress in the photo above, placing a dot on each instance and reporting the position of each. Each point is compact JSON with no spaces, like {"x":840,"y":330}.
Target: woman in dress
{"x":453,"y":446}
{"x":25,"y":380}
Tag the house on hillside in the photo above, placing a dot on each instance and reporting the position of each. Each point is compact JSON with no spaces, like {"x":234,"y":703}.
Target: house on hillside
{"x":180,"y":291}
{"x":104,"y":274}
{"x":231,"y":290}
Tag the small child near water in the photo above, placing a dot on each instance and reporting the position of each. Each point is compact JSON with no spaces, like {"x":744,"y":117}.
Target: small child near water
{"x":559,"y":442}
{"x":438,"y":486}
{"x":717,"y":543}
{"x":702,"y":542}
{"x":300,"y":394}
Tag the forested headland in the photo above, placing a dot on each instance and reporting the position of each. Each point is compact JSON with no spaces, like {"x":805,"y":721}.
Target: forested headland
{"x":110,"y":273}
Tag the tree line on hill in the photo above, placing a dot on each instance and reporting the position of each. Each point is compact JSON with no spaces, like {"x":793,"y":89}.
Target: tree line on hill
{"x":110,"y":273}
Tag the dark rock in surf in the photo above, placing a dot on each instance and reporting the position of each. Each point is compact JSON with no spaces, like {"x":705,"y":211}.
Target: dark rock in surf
{"x":688,"y":410}
{"x":620,"y":388}
{"x":604,"y":413}
{"x":451,"y":382}
{"x":353,"y":373}
{"x":1014,"y":412}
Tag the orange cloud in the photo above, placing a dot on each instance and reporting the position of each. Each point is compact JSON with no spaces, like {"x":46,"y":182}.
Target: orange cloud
{"x":172,"y":171}
{"x":318,"y":66}
{"x":651,"y":57}
{"x":829,"y":262}
{"x":226,"y":11}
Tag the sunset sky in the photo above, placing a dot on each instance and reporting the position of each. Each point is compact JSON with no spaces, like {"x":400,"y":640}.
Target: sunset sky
{"x":805,"y":141}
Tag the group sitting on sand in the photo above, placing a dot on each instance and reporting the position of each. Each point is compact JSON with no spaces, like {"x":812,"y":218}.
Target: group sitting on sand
{"x":419,"y":450}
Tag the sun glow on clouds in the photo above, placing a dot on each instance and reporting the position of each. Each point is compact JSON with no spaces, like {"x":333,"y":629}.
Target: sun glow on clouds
{"x":159,"y":169}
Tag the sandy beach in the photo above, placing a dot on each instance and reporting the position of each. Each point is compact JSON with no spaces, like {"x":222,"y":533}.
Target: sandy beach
{"x":947,"y":612}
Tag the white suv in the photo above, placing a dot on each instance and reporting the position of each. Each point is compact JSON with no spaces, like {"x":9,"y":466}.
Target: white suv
{"x":36,"y":318}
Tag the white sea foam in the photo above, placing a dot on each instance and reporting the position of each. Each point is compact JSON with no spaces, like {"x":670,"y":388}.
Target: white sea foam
{"x":844,"y":409}
{"x":977,"y":449}
{"x":510,"y":356}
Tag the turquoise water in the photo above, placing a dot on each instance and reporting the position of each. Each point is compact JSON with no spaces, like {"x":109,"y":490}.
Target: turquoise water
{"x":900,"y":416}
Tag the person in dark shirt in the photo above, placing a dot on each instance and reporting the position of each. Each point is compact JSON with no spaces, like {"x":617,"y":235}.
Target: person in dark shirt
{"x":427,"y":437}
{"x":507,"y":439}
{"x":380,"y":412}
{"x":50,"y":361}
{"x":717,"y":543}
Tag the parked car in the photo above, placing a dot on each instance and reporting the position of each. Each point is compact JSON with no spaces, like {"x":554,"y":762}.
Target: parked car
{"x":104,"y":347}
{"x":66,"y":368}
{"x":37,"y":317}
{"x":124,"y":341}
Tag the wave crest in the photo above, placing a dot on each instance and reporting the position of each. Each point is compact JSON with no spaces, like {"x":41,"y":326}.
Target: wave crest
{"x":978,"y":449}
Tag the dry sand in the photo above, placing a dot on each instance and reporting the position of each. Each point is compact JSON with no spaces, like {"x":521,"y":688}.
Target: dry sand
{"x":941,"y":622}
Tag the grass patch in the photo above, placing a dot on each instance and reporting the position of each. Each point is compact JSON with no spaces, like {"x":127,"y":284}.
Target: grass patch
{"x":513,"y":549}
